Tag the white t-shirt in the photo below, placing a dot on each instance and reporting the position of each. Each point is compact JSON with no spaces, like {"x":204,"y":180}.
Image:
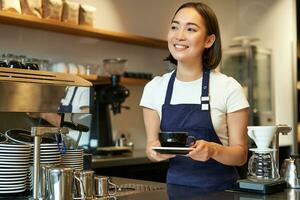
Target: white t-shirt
{"x":226,"y":96}
{"x":81,"y":98}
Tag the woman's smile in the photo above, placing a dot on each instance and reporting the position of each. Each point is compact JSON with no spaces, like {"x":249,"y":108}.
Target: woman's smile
{"x":180,"y":47}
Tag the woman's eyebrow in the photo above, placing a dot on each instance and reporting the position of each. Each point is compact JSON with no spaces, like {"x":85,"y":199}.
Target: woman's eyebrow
{"x":194,"y":24}
{"x":189,"y":23}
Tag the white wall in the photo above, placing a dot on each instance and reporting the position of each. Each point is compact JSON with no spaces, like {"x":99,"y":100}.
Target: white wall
{"x":274,"y":22}
{"x":271,"y":20}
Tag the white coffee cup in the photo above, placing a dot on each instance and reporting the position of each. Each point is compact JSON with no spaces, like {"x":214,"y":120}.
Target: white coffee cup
{"x":262,"y":135}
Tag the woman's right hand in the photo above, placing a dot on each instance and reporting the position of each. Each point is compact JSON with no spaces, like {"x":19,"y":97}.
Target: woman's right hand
{"x":155,"y":156}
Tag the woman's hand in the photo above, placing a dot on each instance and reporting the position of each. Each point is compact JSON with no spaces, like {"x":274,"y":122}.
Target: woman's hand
{"x":202,"y":151}
{"x":155,"y":156}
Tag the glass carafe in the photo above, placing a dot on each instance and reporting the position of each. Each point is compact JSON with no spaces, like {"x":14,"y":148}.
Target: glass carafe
{"x":262,"y":167}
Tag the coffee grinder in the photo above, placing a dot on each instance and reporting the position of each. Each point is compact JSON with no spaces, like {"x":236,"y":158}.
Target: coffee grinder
{"x":263,"y":166}
{"x":106,"y":97}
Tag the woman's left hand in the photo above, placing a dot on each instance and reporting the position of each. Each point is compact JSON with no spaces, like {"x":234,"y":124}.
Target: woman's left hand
{"x":202,"y":151}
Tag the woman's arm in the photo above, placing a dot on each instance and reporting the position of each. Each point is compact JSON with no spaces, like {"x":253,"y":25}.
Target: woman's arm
{"x":152,"y":125}
{"x":235,"y":153}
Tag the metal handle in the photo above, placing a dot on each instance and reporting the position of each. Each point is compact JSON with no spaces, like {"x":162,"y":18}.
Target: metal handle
{"x":81,"y":188}
{"x":114,"y":185}
{"x":193,"y":140}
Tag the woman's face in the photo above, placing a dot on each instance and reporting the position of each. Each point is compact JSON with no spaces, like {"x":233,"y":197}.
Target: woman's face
{"x":187,"y":36}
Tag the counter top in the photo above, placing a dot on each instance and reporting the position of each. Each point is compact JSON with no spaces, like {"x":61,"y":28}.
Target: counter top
{"x":174,"y":192}
{"x":138,"y":156}
{"x":162,"y":191}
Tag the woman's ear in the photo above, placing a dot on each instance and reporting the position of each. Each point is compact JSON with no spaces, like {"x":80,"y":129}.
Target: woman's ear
{"x":210,"y":41}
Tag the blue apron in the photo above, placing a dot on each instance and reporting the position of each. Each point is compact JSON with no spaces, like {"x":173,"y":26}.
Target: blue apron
{"x":196,"y":120}
{"x":67,"y":108}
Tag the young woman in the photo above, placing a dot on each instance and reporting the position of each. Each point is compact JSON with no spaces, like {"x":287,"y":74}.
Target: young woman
{"x":197,"y":99}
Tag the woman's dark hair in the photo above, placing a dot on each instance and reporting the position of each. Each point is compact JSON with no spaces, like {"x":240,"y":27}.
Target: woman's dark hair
{"x":211,"y":56}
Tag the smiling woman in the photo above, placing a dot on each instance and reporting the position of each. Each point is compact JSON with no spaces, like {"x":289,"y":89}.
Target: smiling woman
{"x":198,"y":100}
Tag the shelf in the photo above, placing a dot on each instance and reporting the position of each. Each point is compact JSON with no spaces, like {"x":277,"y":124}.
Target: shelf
{"x":79,"y":30}
{"x":101,"y":80}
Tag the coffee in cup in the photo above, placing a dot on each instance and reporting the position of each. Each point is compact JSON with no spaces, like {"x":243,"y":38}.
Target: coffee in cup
{"x":176,"y":139}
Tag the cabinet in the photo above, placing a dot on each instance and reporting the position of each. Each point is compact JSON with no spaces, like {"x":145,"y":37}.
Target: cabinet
{"x":251,"y":67}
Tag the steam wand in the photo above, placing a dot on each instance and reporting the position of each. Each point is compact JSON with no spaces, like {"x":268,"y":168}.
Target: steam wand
{"x":37,"y":133}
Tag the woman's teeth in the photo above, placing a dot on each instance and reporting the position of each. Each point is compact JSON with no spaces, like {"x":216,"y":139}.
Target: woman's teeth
{"x":179,"y":46}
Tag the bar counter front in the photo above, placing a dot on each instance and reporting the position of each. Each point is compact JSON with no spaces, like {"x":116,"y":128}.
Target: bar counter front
{"x":147,"y":190}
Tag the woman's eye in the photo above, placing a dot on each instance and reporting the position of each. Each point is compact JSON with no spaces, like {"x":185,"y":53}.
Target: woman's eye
{"x":173,"y":27}
{"x":191,"y":30}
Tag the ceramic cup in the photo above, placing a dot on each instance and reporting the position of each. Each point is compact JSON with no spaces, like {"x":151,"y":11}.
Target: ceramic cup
{"x":262,"y":135}
{"x":176,"y":139}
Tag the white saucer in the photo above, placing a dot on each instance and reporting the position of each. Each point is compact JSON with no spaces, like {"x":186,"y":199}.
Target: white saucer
{"x":173,"y":150}
{"x":13,"y":167}
{"x":12,"y":191}
{"x":14,"y":163}
{"x":12,"y":185}
{"x":12,"y":174}
{"x":17,"y":156}
{"x":14,"y":159}
{"x":12,"y":170}
{"x":22,"y":178}
{"x":15,"y":146}
{"x":19,"y":187}
{"x":262,"y":150}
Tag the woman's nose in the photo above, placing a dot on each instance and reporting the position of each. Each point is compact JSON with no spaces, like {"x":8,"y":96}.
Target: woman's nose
{"x":180,"y":35}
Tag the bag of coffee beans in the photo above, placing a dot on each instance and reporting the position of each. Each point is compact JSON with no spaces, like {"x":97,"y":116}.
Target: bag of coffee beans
{"x":11,"y":5}
{"x":52,"y":9}
{"x":70,"y":12}
{"x":32,"y":7}
{"x":86,"y":15}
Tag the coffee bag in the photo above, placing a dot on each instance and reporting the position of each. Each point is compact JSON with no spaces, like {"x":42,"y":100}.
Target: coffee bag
{"x":11,"y":5}
{"x":32,"y":7}
{"x":70,"y":12}
{"x":86,"y":15}
{"x":52,"y":9}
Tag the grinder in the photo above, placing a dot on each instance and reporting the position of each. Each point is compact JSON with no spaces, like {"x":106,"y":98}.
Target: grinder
{"x":106,"y":97}
{"x":114,"y":94}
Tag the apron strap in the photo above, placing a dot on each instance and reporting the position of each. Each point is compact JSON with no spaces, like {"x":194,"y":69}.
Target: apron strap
{"x":204,"y":99}
{"x":73,"y":95}
{"x":170,"y":89}
{"x":205,"y":90}
{"x":67,"y":108}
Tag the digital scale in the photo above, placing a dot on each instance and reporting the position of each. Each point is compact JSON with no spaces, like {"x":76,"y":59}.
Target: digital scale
{"x":246,"y":185}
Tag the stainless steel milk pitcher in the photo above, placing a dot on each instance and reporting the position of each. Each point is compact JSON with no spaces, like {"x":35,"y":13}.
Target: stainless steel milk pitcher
{"x":61,"y":183}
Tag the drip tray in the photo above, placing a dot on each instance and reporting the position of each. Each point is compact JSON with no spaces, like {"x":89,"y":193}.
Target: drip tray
{"x":129,"y":189}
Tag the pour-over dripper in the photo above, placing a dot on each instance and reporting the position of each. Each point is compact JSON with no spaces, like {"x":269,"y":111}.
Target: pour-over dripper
{"x":264,"y":163}
{"x":262,"y":135}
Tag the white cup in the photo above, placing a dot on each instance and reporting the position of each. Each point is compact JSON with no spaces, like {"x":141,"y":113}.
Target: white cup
{"x":262,"y":135}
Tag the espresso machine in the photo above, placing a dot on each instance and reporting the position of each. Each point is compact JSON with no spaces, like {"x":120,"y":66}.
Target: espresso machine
{"x":28,"y":91}
{"x":263,"y":166}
